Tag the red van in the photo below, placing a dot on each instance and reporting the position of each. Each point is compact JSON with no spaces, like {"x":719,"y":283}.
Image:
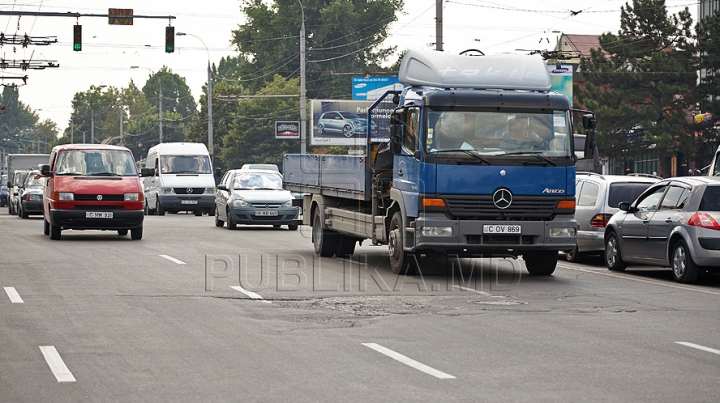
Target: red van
{"x":92,"y":187}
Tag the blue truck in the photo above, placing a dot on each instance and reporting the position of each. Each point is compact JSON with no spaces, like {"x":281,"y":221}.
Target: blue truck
{"x":480,"y":163}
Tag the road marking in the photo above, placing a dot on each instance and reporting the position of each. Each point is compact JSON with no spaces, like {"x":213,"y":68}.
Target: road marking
{"x":56,"y":364}
{"x":487,"y":294}
{"x":172,"y":259}
{"x":13,"y":295}
{"x":699,"y":347}
{"x":408,"y":361}
{"x":629,"y":277}
{"x":250,"y":294}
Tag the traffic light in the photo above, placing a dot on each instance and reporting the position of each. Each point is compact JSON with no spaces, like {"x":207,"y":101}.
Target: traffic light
{"x":77,"y":38}
{"x":169,"y":39}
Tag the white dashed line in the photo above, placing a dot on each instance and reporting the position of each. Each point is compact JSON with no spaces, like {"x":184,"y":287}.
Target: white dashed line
{"x":487,"y":294}
{"x":250,"y":294}
{"x":13,"y":295}
{"x":408,"y":361}
{"x":172,"y":259}
{"x":56,"y":364}
{"x":699,"y":347}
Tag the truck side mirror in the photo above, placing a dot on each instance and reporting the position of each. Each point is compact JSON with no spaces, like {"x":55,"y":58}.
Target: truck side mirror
{"x":147,"y":172}
{"x":589,"y":121}
{"x":396,"y":138}
{"x":218,"y":172}
{"x":44,"y":171}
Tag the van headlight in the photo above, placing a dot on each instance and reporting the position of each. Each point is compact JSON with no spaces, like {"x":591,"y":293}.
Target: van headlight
{"x":66,"y":196}
{"x":239,"y":203}
{"x":132,"y":196}
{"x":210,"y":190}
{"x":563,"y":232}
{"x":167,"y":190}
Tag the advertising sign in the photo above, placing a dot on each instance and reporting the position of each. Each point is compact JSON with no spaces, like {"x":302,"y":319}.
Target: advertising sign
{"x":344,"y":122}
{"x":372,"y":88}
{"x":561,"y":80}
{"x":287,"y":130}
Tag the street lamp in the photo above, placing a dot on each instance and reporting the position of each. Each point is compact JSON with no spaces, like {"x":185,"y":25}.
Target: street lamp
{"x":209,"y":94}
{"x":160,"y":113}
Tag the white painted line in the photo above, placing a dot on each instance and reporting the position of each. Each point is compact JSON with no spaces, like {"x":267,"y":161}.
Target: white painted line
{"x":250,"y":294}
{"x":487,"y":294}
{"x":172,"y":259}
{"x":699,"y":347}
{"x":13,"y":295}
{"x":640,"y":280}
{"x":408,"y":361}
{"x":57,"y":366}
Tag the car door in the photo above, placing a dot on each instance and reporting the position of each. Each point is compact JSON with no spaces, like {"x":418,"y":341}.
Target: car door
{"x":634,"y":229}
{"x":665,"y":219}
{"x":222,"y":196}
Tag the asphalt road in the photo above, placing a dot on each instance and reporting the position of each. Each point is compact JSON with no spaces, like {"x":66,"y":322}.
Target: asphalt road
{"x":195,"y":313}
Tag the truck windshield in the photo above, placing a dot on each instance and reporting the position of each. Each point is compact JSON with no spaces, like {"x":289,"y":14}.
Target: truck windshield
{"x":491,"y":134}
{"x":95,"y":163}
{"x":185,"y":164}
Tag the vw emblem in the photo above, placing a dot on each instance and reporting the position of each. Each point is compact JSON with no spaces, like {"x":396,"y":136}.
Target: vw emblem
{"x":99,"y":197}
{"x":189,"y":190}
{"x":267,"y":206}
{"x":502,"y":198}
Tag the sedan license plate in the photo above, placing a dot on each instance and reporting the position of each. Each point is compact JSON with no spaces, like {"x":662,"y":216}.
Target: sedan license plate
{"x":188,"y":202}
{"x":98,"y":214}
{"x":502,"y":229}
{"x":266,"y":212}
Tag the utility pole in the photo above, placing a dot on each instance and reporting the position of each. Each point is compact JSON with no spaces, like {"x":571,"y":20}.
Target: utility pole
{"x":303,"y":101}
{"x":122,"y":136}
{"x":439,"y":25}
{"x":72,"y":132}
{"x":210,"y":122}
{"x":92,"y":127}
{"x":160,"y":108}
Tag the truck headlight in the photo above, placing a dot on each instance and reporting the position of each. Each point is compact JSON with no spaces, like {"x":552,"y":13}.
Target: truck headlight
{"x":132,"y":196}
{"x":563,"y":232}
{"x":437,"y":231}
{"x":239,"y":203}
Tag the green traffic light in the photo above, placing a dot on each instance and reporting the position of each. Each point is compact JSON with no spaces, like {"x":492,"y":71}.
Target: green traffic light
{"x":77,"y":47}
{"x":169,"y":49}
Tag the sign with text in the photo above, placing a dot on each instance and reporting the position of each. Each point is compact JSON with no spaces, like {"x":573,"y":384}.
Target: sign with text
{"x":344,"y":123}
{"x":372,"y":88}
{"x":120,"y":16}
{"x":287,"y":130}
{"x":561,"y":80}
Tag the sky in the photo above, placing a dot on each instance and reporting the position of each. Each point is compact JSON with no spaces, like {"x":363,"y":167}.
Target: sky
{"x":109,"y":51}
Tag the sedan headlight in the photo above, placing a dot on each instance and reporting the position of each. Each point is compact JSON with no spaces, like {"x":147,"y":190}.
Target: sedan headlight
{"x":287,"y":203}
{"x":132,"y":196}
{"x":33,"y":196}
{"x":239,"y":203}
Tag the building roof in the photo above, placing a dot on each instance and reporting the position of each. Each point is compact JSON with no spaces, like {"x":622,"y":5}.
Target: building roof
{"x":580,"y":44}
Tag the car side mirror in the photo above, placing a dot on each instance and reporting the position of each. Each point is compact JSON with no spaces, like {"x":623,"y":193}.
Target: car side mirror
{"x":147,"y":172}
{"x":44,"y":171}
{"x":624,"y":206}
{"x":222,"y":187}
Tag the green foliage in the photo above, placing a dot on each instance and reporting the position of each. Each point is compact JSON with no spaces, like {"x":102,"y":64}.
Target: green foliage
{"x":17,"y":119}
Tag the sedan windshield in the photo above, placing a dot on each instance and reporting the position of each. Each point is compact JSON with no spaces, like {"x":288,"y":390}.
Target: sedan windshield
{"x":257,"y":181}
{"x":95,"y":163}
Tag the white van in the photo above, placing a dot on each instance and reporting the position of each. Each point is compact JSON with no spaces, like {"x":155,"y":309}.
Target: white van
{"x":182,"y":179}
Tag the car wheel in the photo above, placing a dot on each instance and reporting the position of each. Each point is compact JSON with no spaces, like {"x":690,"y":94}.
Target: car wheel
{"x":401,"y":262}
{"x":230,"y":223}
{"x":122,"y":232}
{"x":22,"y":213}
{"x":198,"y":213}
{"x":683,"y":268}
{"x":46,"y":227}
{"x":293,"y":227}
{"x":320,"y":129}
{"x":159,"y":209}
{"x":136,"y":233}
{"x":541,"y":263}
{"x":211,"y":211}
{"x":613,"y":255}
{"x":218,"y":221}
{"x":347,"y":130}
{"x":324,"y":240}
{"x":575,"y":256}
{"x":55,"y":232}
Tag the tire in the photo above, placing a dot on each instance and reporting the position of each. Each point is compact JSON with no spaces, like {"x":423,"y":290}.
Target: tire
{"x":401,"y":262}
{"x":136,"y":233}
{"x":18,"y":207}
{"x":46,"y":227}
{"x":160,"y":210}
{"x":231,"y":225}
{"x":218,"y":221}
{"x":11,"y":211}
{"x":345,"y":246}
{"x":293,"y":227}
{"x":198,"y":213}
{"x":149,"y":210}
{"x":575,"y":256}
{"x":211,"y":211}
{"x":613,"y":254}
{"x":684,"y":270}
{"x":541,"y":263}
{"x":22,"y":213}
{"x":55,"y":232}
{"x":122,"y":232}
{"x":347,"y":131}
{"x":325,"y":241}
{"x":320,"y":129}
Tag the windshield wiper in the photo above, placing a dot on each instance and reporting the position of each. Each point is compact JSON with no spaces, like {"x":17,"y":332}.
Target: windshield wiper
{"x":534,"y":154}
{"x":468,"y":152}
{"x":68,"y":173}
{"x":104,"y":174}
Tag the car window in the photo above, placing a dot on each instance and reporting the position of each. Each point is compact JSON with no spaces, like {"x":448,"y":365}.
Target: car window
{"x":650,"y":200}
{"x":625,"y":192}
{"x":711,"y":199}
{"x":674,"y":198}
{"x":588,"y":194}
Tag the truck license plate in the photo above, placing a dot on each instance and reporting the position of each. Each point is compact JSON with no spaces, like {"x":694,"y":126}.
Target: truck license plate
{"x":98,"y":214}
{"x":266,"y":212}
{"x":188,"y":202}
{"x":502,"y":229}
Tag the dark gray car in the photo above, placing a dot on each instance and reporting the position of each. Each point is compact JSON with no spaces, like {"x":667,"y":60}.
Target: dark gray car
{"x":343,"y":122}
{"x":673,"y":223}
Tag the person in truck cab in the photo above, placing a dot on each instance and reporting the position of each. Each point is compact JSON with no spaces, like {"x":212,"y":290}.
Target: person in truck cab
{"x":519,"y":135}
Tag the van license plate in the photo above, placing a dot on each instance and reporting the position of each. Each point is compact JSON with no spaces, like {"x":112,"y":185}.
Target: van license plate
{"x":502,"y":229}
{"x":188,"y":202}
{"x":98,"y":214}
{"x":266,"y":212}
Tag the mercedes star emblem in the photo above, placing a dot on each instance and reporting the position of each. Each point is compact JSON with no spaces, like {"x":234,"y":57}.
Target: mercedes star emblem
{"x":189,"y":190}
{"x":502,"y":198}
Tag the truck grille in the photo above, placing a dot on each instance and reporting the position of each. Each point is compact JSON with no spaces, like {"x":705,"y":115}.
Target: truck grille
{"x":530,"y":208}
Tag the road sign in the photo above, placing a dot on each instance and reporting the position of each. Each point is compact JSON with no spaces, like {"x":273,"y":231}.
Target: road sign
{"x":120,"y":16}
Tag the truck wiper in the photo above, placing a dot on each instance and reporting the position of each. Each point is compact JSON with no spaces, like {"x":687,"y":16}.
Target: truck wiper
{"x":534,"y":154}
{"x":468,"y":152}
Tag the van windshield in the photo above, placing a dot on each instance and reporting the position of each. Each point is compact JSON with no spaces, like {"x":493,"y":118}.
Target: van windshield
{"x":95,"y":163}
{"x":185,"y":164}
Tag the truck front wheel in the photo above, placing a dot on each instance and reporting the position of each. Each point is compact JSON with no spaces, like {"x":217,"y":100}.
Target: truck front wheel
{"x":541,"y":263}
{"x":325,"y":241}
{"x":401,"y":262}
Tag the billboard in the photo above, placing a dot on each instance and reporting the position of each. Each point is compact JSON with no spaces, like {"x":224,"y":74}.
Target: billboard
{"x":344,"y":123}
{"x":287,"y":130}
{"x":561,"y":80}
{"x":372,"y":88}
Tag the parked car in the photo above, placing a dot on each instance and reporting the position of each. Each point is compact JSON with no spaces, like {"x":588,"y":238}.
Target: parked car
{"x":673,"y":223}
{"x":598,"y":197}
{"x":15,"y":185}
{"x":255,"y":197}
{"x":31,"y":195}
{"x":3,"y":195}
{"x":343,"y":122}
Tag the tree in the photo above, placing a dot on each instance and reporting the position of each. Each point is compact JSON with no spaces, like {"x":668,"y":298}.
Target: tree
{"x":638,"y":82}
{"x":96,"y":115}
{"x":707,"y":93}
{"x":178,"y":104}
{"x":46,"y":135}
{"x":17,"y":120}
